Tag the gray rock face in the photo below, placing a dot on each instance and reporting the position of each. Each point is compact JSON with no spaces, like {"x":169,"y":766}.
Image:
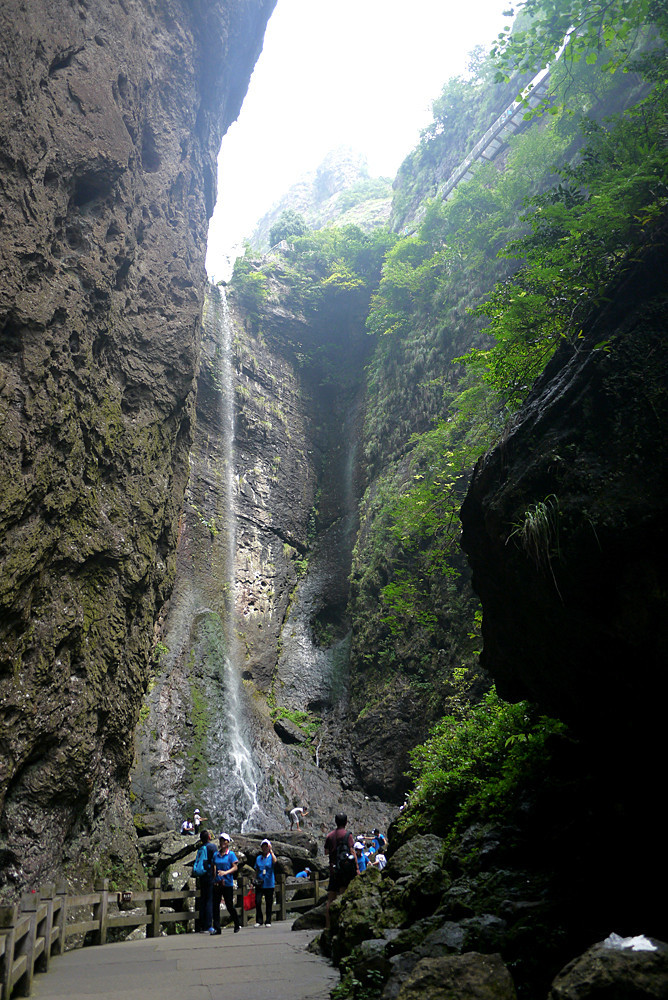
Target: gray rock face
{"x":111,"y":115}
{"x":261,"y":589}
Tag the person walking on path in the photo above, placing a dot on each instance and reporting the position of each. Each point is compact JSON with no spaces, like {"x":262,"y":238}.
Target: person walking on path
{"x":339,"y":878}
{"x":265,"y":883}
{"x":361,"y":856}
{"x":206,"y":886}
{"x":296,"y":814}
{"x":227,"y":865}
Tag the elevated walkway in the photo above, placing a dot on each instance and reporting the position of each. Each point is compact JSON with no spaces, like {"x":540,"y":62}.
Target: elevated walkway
{"x":510,"y":121}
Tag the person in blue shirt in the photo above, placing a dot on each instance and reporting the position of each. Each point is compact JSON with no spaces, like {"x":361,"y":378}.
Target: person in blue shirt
{"x":361,"y":857}
{"x":227,"y":865}
{"x":377,"y":841}
{"x":305,"y":874}
{"x":206,"y":886}
{"x":266,"y":882}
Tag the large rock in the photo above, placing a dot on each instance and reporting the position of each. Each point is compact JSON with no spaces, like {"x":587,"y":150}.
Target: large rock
{"x":616,"y":973}
{"x":111,"y":116}
{"x":415,"y":855}
{"x":467,"y":977}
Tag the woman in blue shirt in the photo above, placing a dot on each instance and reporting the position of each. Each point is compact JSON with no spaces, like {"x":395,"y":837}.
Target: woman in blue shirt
{"x":266,"y":881}
{"x":361,"y":857}
{"x":227,"y":864}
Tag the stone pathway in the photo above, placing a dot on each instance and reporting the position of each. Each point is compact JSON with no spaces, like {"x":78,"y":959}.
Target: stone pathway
{"x":263,"y":963}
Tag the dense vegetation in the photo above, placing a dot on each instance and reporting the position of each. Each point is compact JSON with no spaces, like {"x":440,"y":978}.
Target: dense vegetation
{"x":543,"y":255}
{"x":465,"y":312}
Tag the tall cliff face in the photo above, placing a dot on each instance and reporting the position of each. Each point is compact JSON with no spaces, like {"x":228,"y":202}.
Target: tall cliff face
{"x":111,"y":116}
{"x":256,"y":635}
{"x":565,"y":528}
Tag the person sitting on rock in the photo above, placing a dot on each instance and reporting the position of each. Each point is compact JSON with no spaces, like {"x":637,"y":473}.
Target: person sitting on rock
{"x":187,"y":828}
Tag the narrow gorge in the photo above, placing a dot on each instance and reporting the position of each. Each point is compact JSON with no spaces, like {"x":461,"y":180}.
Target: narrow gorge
{"x":376,"y":526}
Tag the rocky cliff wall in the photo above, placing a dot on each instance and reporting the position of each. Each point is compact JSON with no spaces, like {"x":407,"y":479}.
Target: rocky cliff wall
{"x":111,"y":116}
{"x":565,"y":528}
{"x":259,"y":604}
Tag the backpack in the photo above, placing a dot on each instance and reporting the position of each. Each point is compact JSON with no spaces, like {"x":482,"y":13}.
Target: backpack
{"x":344,"y":861}
{"x":201,"y":865}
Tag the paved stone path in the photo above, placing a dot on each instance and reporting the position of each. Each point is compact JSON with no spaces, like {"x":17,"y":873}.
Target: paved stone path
{"x":263,"y":963}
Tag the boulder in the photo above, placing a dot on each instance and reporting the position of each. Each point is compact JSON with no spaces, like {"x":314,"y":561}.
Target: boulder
{"x":429,"y":939}
{"x":313,"y":919}
{"x":615,"y":972}
{"x":415,"y":855}
{"x":163,"y":852}
{"x":466,"y":977}
{"x":149,"y":823}
{"x":289,"y":732}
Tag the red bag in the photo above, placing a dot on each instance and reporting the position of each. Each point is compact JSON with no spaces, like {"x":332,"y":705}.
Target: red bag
{"x":249,"y":900}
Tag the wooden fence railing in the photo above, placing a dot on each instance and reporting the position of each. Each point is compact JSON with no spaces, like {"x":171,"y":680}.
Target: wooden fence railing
{"x":49,"y":922}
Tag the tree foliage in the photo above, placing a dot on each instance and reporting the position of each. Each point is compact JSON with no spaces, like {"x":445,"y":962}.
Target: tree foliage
{"x":477,"y":765}
{"x":589,"y":28}
{"x":288,"y":225}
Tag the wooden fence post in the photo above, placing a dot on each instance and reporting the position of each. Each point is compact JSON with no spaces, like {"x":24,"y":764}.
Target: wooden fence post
{"x":61,"y":921}
{"x":281,"y":898}
{"x":101,"y":911}
{"x":46,"y":893}
{"x":316,"y":879}
{"x":153,"y":908}
{"x":191,"y":904}
{"x":29,"y":903}
{"x":241,"y":882}
{"x":8,"y":918}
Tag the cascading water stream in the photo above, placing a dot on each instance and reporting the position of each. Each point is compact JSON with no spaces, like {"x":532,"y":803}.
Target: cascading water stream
{"x":233,"y":779}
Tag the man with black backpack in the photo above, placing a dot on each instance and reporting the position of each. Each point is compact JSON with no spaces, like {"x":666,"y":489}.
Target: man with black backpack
{"x":342,"y":860}
{"x":204,"y":870}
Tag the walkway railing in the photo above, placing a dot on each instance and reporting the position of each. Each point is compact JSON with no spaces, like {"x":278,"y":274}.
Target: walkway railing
{"x":49,"y":922}
{"x":511,"y":120}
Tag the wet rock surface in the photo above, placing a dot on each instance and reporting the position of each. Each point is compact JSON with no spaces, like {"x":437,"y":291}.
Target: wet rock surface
{"x":111,"y":116}
{"x":283,"y":498}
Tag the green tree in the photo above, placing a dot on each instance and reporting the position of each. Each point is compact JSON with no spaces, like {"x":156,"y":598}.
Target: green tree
{"x":288,"y":225}
{"x":590,"y":27}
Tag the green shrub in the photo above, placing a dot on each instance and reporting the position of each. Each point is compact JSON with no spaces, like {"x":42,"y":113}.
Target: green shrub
{"x":476,"y":766}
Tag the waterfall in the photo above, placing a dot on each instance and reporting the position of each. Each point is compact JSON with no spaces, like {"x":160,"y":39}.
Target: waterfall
{"x":232,"y":791}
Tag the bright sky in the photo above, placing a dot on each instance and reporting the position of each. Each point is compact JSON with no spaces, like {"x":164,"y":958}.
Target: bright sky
{"x":360,"y":73}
